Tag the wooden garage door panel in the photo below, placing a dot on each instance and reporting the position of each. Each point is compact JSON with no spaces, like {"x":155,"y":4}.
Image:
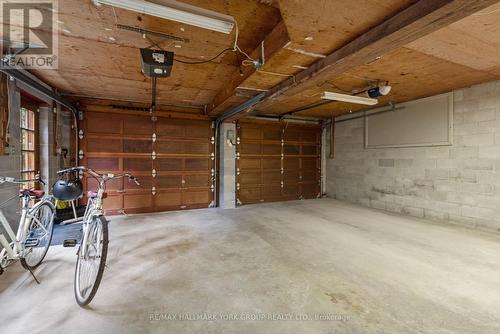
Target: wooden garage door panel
{"x":112,"y":202}
{"x":168,"y":181}
{"x":271,"y":163}
{"x":278,"y":162}
{"x":291,"y":163}
{"x":291,"y":149}
{"x":249,"y":195}
{"x":197,"y":164}
{"x":182,"y":147}
{"x":198,"y":130}
{"x":137,"y":164}
{"x":110,"y":145}
{"x":248,"y":178}
{"x":100,"y":123}
{"x":169,"y":164}
{"x":249,"y":133}
{"x":104,"y":164}
{"x":196,"y":198}
{"x":176,"y":128}
{"x":137,"y":125}
{"x":168,"y":200}
{"x":310,"y":163}
{"x":197,"y":181}
{"x":273,"y":149}
{"x":136,"y":201}
{"x":144,"y":146}
{"x":180,"y":176}
{"x":271,"y":177}
{"x":309,"y":176}
{"x":310,"y":190}
{"x":291,"y":177}
{"x":249,"y":163}
{"x":310,"y":150}
{"x":271,"y":192}
{"x":111,"y":185}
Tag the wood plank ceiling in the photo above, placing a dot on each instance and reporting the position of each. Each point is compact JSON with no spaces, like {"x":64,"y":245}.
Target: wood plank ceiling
{"x":97,"y":59}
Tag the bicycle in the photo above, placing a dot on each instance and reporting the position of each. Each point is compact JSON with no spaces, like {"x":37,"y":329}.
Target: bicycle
{"x":34,"y":234}
{"x":93,"y":249}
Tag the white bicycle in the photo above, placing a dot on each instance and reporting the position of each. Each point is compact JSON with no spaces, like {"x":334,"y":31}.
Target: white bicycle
{"x":34,"y":234}
{"x":91,"y":255}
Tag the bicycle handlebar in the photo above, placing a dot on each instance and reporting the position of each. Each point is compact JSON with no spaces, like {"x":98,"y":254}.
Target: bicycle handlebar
{"x":104,"y":177}
{"x":18,"y":181}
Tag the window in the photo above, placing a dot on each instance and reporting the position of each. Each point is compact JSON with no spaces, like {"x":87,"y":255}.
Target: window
{"x":29,"y":152}
{"x":4,"y":112}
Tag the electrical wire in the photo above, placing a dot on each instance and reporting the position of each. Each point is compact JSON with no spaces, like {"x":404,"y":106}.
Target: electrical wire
{"x":203,"y":61}
{"x":246,"y":62}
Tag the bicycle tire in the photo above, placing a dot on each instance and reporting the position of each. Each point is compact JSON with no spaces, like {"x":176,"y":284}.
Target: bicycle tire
{"x":85,"y":300}
{"x":24,"y":261}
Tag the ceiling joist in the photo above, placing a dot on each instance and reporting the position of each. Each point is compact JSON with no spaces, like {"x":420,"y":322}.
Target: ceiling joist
{"x":418,"y":20}
{"x":274,"y":41}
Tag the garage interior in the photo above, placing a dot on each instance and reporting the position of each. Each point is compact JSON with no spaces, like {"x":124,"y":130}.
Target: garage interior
{"x":319,"y":167}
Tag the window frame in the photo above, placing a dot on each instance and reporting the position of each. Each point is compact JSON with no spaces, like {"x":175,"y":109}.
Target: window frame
{"x":33,"y":107}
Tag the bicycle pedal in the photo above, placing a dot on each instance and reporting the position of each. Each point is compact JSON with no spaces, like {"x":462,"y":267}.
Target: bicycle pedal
{"x":31,"y":242}
{"x":70,"y":243}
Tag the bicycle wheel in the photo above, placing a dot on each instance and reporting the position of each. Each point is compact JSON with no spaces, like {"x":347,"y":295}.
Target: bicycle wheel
{"x":38,"y":236}
{"x":90,"y":266}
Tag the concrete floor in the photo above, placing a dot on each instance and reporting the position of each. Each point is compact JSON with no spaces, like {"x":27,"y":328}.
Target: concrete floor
{"x":369,"y":271}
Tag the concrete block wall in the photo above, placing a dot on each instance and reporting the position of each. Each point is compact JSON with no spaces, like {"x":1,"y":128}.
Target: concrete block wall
{"x":458,"y":183}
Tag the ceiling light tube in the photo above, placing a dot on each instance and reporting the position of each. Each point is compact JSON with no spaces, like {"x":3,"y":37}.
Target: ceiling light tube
{"x":348,"y":98}
{"x":177,"y":11}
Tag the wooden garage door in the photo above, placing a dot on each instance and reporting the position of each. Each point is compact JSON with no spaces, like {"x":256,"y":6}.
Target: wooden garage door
{"x":277,"y":161}
{"x":302,"y":161}
{"x":172,"y":158}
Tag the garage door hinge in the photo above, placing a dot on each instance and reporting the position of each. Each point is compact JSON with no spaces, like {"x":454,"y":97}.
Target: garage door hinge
{"x":80,"y":154}
{"x":212,"y":188}
{"x":238,"y":155}
{"x":153,"y":137}
{"x":80,"y":134}
{"x":80,"y":115}
{"x":237,"y":186}
{"x":212,"y":171}
{"x":153,"y":191}
{"x":237,"y":171}
{"x":282,"y":171}
{"x":153,"y":155}
{"x":238,"y":141}
{"x":281,"y":184}
{"x":212,"y":140}
{"x":153,"y":172}
{"x":212,"y":156}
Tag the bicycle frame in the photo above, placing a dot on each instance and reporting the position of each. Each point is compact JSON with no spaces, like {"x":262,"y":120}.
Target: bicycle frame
{"x":15,"y":249}
{"x":94,"y":209}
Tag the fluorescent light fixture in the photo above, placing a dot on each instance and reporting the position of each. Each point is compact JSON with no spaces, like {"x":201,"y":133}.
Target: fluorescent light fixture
{"x":177,"y":11}
{"x":348,"y":98}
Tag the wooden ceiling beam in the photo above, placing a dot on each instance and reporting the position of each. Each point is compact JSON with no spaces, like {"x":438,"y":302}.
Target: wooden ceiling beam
{"x":273,"y":42}
{"x":416,"y":21}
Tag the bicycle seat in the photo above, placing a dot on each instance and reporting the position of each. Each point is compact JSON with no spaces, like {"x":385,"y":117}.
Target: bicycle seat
{"x":32,"y":193}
